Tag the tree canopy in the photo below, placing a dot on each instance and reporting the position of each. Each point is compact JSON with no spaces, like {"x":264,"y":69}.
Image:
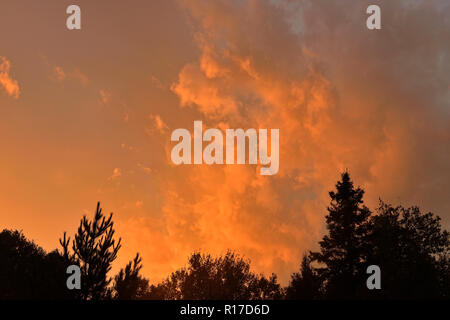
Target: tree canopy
{"x":222,"y":278}
{"x":410,"y":247}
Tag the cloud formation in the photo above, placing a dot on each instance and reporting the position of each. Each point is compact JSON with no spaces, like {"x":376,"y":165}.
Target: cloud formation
{"x":59,"y":74}
{"x":10,"y":85}
{"x":116,"y":174}
{"x":157,"y":123}
{"x":343,"y":97}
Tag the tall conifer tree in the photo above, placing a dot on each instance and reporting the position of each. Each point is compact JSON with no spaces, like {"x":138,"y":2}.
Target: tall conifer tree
{"x":343,"y":249}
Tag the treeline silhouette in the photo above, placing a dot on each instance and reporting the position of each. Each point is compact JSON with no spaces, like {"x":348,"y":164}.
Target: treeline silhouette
{"x":410,"y":247}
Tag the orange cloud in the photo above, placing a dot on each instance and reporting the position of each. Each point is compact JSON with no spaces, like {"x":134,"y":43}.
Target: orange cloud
{"x":116,"y":174}
{"x":10,"y":85}
{"x":158,"y":123}
{"x":105,"y":96}
{"x":60,"y":75}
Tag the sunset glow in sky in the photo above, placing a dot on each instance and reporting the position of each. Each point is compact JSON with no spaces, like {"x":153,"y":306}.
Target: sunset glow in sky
{"x":86,"y":116}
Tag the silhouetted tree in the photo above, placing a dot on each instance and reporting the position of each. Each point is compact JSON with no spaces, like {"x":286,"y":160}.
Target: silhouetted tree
{"x":343,"y":250}
{"x":304,"y":285}
{"x":94,"y":250}
{"x":129,"y":284}
{"x":412,"y":251}
{"x":28,"y":272}
{"x":443,"y":268}
{"x":262,"y":288}
{"x":410,"y":247}
{"x":227,"y":277}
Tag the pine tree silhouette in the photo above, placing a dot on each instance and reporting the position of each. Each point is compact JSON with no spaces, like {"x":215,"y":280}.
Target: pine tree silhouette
{"x":343,"y":250}
{"x":93,"y":250}
{"x":129,"y":284}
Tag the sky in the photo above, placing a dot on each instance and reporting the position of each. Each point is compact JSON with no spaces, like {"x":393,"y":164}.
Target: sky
{"x":86,"y":116}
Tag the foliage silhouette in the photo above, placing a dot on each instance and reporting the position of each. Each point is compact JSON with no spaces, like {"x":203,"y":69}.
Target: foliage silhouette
{"x":412,"y":251}
{"x":129,"y":284}
{"x":304,"y":285}
{"x":411,"y":248}
{"x":227,"y":277}
{"x":28,"y":272}
{"x":94,"y":250}
{"x":343,"y":250}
